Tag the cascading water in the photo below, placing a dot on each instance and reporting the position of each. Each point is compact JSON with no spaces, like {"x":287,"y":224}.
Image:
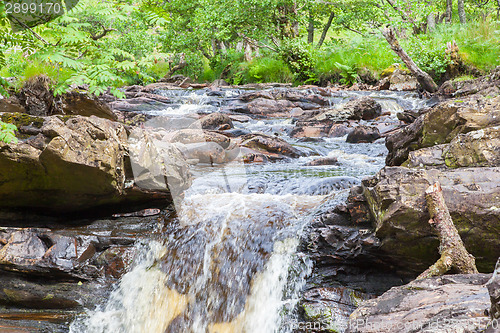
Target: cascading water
{"x":225,"y":262}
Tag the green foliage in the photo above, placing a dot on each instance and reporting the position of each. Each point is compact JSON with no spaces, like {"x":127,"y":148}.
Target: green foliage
{"x":299,"y":59}
{"x":108,"y":44}
{"x":431,"y":58}
{"x":349,"y":74}
{"x":8,"y":132}
{"x":267,"y":69}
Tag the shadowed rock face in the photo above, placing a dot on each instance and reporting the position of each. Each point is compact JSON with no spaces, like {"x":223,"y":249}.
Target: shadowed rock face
{"x":452,"y":303}
{"x":396,"y":199}
{"x":72,"y":164}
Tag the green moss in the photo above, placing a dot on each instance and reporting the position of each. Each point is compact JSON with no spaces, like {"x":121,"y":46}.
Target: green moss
{"x":22,"y":119}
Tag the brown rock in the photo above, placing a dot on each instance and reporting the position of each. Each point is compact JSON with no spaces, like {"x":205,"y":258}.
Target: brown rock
{"x":451,"y":303}
{"x":215,"y":120}
{"x":363,"y":133}
{"x":397,"y":203}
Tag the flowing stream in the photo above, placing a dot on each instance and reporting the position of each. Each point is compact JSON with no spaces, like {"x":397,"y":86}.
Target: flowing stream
{"x":228,"y":261}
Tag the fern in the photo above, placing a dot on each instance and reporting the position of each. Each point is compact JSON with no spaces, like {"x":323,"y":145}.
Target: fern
{"x":349,"y":74}
{"x":8,"y":133}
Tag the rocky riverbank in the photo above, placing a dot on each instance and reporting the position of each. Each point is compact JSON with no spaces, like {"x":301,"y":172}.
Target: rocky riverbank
{"x":77,"y":163}
{"x":455,"y":142}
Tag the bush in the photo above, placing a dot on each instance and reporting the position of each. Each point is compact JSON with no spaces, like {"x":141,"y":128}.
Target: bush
{"x":299,"y":59}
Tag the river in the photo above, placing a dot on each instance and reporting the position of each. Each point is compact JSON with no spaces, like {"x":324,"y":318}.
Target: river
{"x":228,"y":261}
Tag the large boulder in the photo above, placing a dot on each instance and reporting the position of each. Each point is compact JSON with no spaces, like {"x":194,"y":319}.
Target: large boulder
{"x":442,"y":124}
{"x":365,"y":108}
{"x":397,"y":203}
{"x":451,"y":303}
{"x":479,"y":148}
{"x":76,"y":163}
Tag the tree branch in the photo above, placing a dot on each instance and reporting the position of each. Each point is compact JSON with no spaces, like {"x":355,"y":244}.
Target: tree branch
{"x":423,"y":78}
{"x":37,"y":36}
{"x":103,"y":33}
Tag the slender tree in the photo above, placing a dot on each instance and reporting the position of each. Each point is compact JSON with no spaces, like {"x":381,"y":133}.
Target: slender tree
{"x":461,"y":12}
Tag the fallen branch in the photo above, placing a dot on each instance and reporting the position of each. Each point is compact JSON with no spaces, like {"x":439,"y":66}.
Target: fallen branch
{"x":104,"y":32}
{"x":182,"y":63}
{"x":453,"y":252}
{"x":423,"y":78}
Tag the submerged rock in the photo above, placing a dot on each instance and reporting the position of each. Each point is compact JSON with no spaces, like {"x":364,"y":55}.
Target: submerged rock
{"x":450,"y":303}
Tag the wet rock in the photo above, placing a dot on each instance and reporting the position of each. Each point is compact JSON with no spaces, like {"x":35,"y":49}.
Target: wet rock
{"x":442,"y":124}
{"x":328,"y":309}
{"x":269,"y":144}
{"x":203,"y":152}
{"x":470,"y":87}
{"x":401,"y":80}
{"x":397,"y":203}
{"x":407,"y":117}
{"x":43,"y":253}
{"x":311,"y":129}
{"x":80,"y":164}
{"x":365,"y":108}
{"x":42,"y":294}
{"x":338,"y":130}
{"x":215,"y":120}
{"x":323,"y":161}
{"x":198,"y":136}
{"x":250,"y":96}
{"x":240,"y":118}
{"x":450,"y":303}
{"x":263,"y":106}
{"x":235,"y":132}
{"x":142,"y":102}
{"x":37,"y":99}
{"x":115,"y":260}
{"x":220,"y":83}
{"x":474,"y":149}
{"x":431,"y":157}
{"x":363,"y":133}
{"x":493,"y":286}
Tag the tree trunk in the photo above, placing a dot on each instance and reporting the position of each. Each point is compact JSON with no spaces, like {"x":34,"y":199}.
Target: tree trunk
{"x":431,"y":22}
{"x":423,"y":78}
{"x":449,"y":10}
{"x":310,"y":29}
{"x":248,"y":52}
{"x":452,"y":249}
{"x":182,"y":63}
{"x":461,"y":12}
{"x":325,"y":29}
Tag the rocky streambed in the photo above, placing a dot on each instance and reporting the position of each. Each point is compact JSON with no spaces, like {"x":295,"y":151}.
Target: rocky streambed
{"x":225,"y":209}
